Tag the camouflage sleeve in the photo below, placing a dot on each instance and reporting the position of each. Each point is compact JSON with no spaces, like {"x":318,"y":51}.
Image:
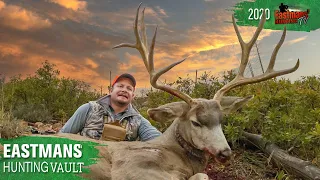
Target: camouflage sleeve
{"x":146,"y":131}
{"x":77,"y":121}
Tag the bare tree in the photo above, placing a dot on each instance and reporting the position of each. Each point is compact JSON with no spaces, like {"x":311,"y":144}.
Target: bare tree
{"x":259,"y":57}
{"x":2,"y":93}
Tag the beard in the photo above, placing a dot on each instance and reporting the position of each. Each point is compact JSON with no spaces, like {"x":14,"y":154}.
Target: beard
{"x":120,"y":102}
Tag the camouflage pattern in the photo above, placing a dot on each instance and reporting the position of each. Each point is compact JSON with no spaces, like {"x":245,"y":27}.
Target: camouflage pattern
{"x":101,"y":113}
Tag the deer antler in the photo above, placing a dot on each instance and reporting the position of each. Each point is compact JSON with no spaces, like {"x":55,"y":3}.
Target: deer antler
{"x":147,"y":56}
{"x":240,"y":80}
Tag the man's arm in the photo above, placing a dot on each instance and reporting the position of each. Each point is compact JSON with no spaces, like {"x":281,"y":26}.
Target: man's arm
{"x":146,"y":131}
{"x":77,"y":121}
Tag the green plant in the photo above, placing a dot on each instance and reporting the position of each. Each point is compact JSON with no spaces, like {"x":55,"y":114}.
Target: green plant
{"x":9,"y":126}
{"x":281,"y":175}
{"x":45,"y":95}
{"x":285,"y":113}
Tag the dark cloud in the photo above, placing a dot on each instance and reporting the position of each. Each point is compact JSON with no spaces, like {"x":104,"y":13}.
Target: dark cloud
{"x":80,"y":40}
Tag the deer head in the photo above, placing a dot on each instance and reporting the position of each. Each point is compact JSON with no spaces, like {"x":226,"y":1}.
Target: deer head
{"x":198,"y":121}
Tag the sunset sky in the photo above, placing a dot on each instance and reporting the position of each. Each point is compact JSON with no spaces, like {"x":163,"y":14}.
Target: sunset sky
{"x":77,"y":36}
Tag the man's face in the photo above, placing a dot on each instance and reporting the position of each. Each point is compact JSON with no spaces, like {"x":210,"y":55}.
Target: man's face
{"x":122,"y":92}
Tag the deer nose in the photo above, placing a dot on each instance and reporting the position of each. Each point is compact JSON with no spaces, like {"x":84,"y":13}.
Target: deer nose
{"x":225,"y":154}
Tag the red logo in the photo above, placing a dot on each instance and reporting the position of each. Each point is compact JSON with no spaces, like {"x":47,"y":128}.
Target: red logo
{"x":285,"y":16}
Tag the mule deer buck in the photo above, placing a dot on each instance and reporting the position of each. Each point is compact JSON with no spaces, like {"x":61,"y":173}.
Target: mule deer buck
{"x":183,"y":150}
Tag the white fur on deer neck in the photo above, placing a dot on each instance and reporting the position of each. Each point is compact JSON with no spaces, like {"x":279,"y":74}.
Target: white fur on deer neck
{"x":190,"y":150}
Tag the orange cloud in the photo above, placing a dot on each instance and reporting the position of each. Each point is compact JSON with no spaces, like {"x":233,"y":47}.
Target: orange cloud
{"x":199,"y":62}
{"x":136,"y":66}
{"x":72,"y":69}
{"x":75,"y":5}
{"x":91,"y":63}
{"x":149,"y":12}
{"x":10,"y":49}
{"x":208,"y":48}
{"x":124,"y":18}
{"x":162,"y":11}
{"x":133,"y":62}
{"x":101,"y":42}
{"x":19,"y":18}
{"x":198,"y":43}
{"x":204,"y":41}
{"x":202,"y":63}
{"x":214,"y":33}
{"x":26,"y":63}
{"x":198,"y":47}
{"x":2,"y":4}
{"x":81,"y":72}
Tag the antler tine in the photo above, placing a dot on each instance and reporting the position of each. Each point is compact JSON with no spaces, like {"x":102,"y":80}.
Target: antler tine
{"x":275,"y":51}
{"x":147,"y":56}
{"x":246,"y":47}
{"x":140,"y":46}
{"x":144,"y":32}
{"x":240,"y":80}
{"x":153,"y":42}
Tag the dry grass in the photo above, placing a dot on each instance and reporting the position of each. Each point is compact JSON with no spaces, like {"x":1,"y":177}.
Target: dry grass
{"x":245,"y":165}
{"x":9,"y":126}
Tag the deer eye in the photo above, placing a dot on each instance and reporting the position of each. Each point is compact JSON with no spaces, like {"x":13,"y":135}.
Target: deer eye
{"x":196,"y":124}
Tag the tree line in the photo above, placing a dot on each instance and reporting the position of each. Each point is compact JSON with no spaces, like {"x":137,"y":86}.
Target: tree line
{"x":45,"y":96}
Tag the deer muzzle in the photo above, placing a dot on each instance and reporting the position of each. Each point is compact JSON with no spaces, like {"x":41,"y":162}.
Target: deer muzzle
{"x":224,"y":155}
{"x":220,"y":156}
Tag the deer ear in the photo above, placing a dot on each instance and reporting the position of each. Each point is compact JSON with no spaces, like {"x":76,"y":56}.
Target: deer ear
{"x":168,"y":112}
{"x":231,"y":104}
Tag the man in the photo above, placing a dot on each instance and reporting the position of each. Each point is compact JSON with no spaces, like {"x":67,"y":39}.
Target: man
{"x":283,"y":8}
{"x":89,"y":118}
